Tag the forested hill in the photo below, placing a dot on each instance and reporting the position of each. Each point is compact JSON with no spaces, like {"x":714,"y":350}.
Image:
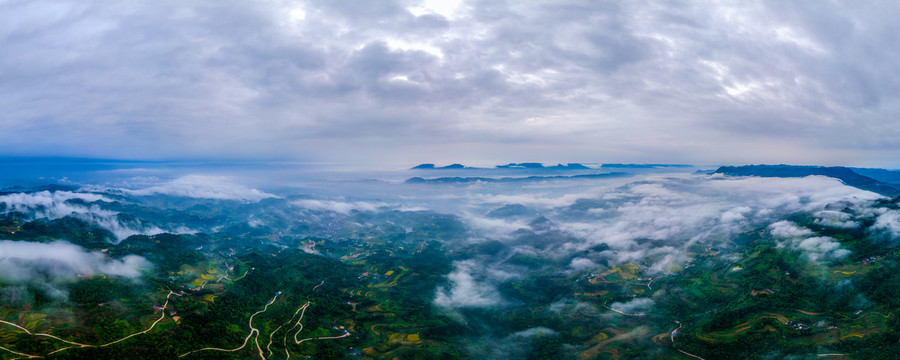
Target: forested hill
{"x":846,"y":175}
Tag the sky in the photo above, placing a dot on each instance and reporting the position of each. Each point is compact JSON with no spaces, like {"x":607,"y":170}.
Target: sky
{"x":477,"y":82}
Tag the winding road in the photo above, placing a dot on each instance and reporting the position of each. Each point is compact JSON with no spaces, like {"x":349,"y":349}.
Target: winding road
{"x":302,"y":311}
{"x":230,"y":279}
{"x":674,"y":332}
{"x":253,"y":331}
{"x":672,"y":336}
{"x":80,"y":345}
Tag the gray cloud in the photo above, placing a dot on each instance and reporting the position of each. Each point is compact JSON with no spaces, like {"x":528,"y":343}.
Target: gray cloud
{"x":765,"y":81}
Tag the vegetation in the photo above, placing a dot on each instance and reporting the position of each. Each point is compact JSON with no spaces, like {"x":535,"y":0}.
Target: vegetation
{"x":368,"y":291}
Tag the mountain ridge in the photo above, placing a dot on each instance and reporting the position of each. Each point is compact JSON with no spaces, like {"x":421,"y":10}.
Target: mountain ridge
{"x":845,"y":174}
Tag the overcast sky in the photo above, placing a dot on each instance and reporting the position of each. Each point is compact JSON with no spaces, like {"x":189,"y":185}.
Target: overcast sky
{"x":479,"y":82}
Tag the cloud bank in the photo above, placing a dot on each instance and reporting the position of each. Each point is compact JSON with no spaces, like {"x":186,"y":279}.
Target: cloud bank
{"x":815,"y":248}
{"x":634,"y":306}
{"x":87,"y":207}
{"x":24,"y":261}
{"x":52,"y":205}
{"x":659,"y":219}
{"x":340,"y":207}
{"x":470,"y":287}
{"x":536,"y":81}
{"x":654,"y":221}
{"x":887,"y":225}
{"x":204,"y":187}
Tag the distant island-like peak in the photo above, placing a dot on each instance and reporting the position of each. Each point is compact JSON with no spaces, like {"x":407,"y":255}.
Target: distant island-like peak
{"x":427,"y":166}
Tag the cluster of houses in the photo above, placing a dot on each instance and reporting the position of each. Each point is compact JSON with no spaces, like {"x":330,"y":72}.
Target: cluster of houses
{"x":871,"y":259}
{"x":796,"y":325}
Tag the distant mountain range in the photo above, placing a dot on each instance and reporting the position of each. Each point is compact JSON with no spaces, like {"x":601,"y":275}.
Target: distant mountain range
{"x":644,"y":166}
{"x":881,"y":181}
{"x":569,"y":166}
{"x":529,"y":165}
{"x":449,"y":180}
{"x":39,"y":188}
{"x":540,"y":166}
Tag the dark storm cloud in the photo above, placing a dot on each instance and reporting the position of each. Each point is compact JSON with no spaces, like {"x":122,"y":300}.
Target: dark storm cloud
{"x":759,"y":81}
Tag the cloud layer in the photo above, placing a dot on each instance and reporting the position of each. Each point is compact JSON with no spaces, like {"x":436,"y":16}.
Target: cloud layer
{"x":87,"y":207}
{"x":204,"y":187}
{"x":423,"y":81}
{"x":24,"y":261}
{"x":340,"y":207}
{"x":28,"y":268}
{"x":655,"y":221}
{"x":815,"y":248}
{"x":470,"y":287}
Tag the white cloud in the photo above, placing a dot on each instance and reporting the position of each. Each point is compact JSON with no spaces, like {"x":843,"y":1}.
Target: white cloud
{"x":658,"y":218}
{"x":204,"y":187}
{"x":786,"y":229}
{"x":581,"y":264}
{"x":22,"y":261}
{"x":445,"y":8}
{"x":821,"y":248}
{"x":340,"y":207}
{"x":835,"y":219}
{"x":571,"y":306}
{"x":412,"y":208}
{"x":736,"y":215}
{"x":546,"y":201}
{"x":467,"y":288}
{"x":492,"y":227}
{"x":512,"y":346}
{"x":634,"y":306}
{"x":55,"y":205}
{"x":887,"y":224}
{"x":814,"y":248}
{"x":651,"y":220}
{"x":536,"y":331}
